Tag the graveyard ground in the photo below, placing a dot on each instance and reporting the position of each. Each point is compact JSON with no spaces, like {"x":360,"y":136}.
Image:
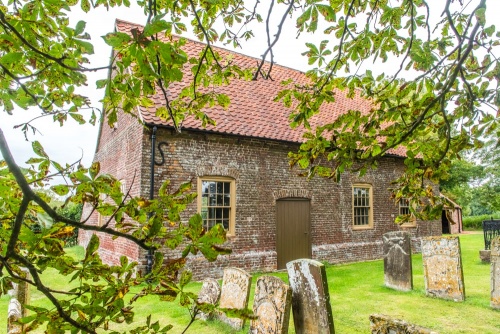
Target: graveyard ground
{"x":356,"y":291}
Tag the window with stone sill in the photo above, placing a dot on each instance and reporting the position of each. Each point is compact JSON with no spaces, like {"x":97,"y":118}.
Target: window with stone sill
{"x":362,"y":206}
{"x":217,"y":202}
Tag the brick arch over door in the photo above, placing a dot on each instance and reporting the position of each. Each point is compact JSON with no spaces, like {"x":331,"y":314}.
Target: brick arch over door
{"x":293,"y":230}
{"x":291,"y":193}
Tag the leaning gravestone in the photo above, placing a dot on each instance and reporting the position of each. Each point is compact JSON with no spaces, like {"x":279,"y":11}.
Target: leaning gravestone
{"x":209,"y":294}
{"x":312,"y":312}
{"x":14,"y":313}
{"x":397,"y":261}
{"x":443,"y":274}
{"x":234,"y":294}
{"x":495,"y":273}
{"x":271,"y":305}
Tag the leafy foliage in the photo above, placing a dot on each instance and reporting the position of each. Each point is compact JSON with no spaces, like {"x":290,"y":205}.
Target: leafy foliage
{"x":474,"y":182}
{"x":447,"y":102}
{"x":476,"y":222}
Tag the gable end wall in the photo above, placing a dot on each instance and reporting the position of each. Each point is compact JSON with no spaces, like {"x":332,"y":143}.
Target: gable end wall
{"x":119,"y":152}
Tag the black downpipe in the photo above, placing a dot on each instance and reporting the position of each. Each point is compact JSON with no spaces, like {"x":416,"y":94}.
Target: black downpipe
{"x":149,"y":255}
{"x":161,"y":146}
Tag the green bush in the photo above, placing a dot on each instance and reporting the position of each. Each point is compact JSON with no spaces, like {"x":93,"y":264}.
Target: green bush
{"x":476,"y":222}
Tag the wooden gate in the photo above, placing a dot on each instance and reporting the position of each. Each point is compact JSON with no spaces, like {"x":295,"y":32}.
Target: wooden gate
{"x":293,"y":227}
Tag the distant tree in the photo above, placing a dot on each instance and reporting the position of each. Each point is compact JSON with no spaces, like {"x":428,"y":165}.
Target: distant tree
{"x":489,"y":191}
{"x":474,"y":182}
{"x":464,"y":177}
{"x":447,"y":102}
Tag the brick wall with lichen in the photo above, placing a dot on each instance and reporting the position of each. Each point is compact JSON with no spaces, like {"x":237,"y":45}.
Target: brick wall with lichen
{"x":262,"y":174}
{"x":119,"y":151}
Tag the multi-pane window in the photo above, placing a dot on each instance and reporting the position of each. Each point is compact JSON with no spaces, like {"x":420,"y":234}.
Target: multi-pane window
{"x":404,"y":206}
{"x":362,"y":205}
{"x":404,"y":210}
{"x":216,"y":202}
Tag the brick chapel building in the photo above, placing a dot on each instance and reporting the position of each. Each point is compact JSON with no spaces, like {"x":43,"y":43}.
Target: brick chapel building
{"x":241,"y":173}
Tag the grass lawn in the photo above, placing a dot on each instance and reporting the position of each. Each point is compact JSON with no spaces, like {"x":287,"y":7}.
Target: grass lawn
{"x":356,"y":291}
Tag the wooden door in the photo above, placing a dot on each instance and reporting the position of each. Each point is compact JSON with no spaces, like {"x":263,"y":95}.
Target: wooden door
{"x":293,"y":227}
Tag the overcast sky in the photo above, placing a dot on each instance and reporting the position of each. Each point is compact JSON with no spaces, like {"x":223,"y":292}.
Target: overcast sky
{"x":68,"y":143}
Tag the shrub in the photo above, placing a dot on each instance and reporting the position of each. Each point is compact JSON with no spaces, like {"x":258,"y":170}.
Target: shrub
{"x":476,"y":222}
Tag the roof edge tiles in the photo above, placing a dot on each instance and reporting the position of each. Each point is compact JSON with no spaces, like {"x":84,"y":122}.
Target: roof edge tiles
{"x":252,"y":111}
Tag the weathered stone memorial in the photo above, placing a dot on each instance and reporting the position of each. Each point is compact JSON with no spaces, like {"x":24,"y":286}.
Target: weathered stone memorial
{"x":397,"y":261}
{"x":312,"y":312}
{"x":495,"y":273}
{"x":21,"y":292}
{"x":382,"y":324}
{"x":235,"y":292}
{"x":14,"y":313}
{"x":271,"y":305}
{"x":209,"y":294}
{"x":443,"y":274}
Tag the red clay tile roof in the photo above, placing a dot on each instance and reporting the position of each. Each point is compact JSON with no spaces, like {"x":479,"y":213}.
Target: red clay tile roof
{"x":252,"y":111}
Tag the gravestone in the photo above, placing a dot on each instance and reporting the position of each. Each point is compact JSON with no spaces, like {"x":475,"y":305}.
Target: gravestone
{"x":234,"y":294}
{"x":14,"y":313}
{"x":443,"y":274}
{"x":312,"y":312}
{"x":209,"y":294}
{"x":397,"y":261}
{"x":382,"y":324}
{"x":23,"y":293}
{"x":271,"y":304}
{"x":495,"y":273}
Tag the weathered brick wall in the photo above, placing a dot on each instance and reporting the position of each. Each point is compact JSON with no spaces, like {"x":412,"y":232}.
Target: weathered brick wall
{"x":262,"y":175}
{"x":119,"y":152}
{"x":456,"y":225}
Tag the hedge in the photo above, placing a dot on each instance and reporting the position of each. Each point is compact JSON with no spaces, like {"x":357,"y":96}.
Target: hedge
{"x":476,"y":222}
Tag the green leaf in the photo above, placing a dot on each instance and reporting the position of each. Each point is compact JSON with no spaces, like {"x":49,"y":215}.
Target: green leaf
{"x":77,"y":117}
{"x":85,"y":4}
{"x":94,"y":169}
{"x":92,"y":246}
{"x":12,"y":57}
{"x":80,"y":27}
{"x":481,"y":16}
{"x":185,"y":278}
{"x":61,"y":189}
{"x":38,"y":149}
{"x":116,"y":39}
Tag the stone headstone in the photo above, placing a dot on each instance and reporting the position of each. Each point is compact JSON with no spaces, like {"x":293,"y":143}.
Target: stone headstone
{"x":14,"y":313}
{"x":312,"y":312}
{"x":23,"y":293}
{"x":495,"y":273}
{"x":271,"y":304}
{"x":382,"y":324}
{"x":443,"y":274}
{"x":234,"y":294}
{"x":397,"y":261}
{"x":209,"y":294}
{"x":485,"y":255}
